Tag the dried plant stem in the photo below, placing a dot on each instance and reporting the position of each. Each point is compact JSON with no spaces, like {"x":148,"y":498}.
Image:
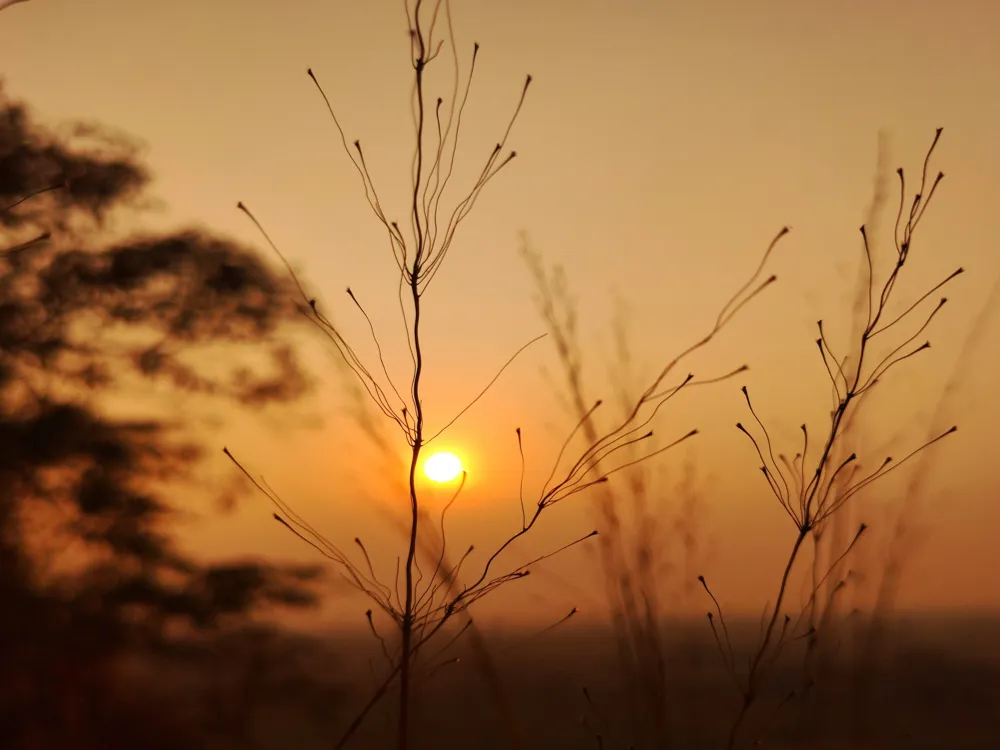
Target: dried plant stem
{"x":630,"y":584}
{"x":405,"y":659}
{"x":750,"y":694}
{"x":810,"y":504}
{"x":360,"y":717}
{"x":424,"y":606}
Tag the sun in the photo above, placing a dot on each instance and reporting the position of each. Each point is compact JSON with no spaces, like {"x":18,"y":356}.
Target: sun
{"x":442,"y":467}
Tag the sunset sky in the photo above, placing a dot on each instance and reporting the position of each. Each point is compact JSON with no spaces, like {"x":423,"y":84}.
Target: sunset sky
{"x":661,"y":147}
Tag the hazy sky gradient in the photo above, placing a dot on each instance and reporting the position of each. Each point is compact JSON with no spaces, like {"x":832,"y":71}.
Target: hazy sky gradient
{"x":662,"y":146}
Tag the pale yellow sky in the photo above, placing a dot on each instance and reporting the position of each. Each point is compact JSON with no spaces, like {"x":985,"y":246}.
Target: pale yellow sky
{"x":662,"y":146}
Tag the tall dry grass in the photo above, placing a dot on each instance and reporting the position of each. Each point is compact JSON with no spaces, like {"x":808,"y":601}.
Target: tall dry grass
{"x":432,"y":588}
{"x":637,"y":530}
{"x":423,"y":599}
{"x":812,"y":491}
{"x":816,"y":492}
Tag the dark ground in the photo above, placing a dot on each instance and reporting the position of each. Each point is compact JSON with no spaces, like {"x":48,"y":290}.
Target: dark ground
{"x":936,"y":685}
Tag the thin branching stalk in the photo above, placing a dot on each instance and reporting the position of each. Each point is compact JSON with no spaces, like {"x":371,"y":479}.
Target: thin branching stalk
{"x":422,"y":606}
{"x":811,"y":502}
{"x":630,"y":580}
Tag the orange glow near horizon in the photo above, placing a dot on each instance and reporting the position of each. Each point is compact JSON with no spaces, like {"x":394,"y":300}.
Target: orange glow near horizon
{"x":660,"y":148}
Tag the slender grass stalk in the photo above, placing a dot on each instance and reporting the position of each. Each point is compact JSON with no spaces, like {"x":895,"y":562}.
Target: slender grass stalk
{"x":811,"y":502}
{"x":427,"y":604}
{"x":631,"y":582}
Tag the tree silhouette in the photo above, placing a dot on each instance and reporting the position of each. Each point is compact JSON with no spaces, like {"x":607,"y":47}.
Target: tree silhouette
{"x":87,"y":566}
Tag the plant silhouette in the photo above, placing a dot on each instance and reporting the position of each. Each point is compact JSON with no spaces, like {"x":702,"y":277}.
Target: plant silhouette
{"x":88,"y":566}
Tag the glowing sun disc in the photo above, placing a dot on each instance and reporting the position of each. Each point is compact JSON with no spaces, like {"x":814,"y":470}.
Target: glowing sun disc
{"x":442,"y":467}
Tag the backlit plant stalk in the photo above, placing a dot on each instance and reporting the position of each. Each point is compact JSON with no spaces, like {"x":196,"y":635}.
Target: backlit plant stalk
{"x":811,"y":498}
{"x":427,"y":603}
{"x":627,"y":551}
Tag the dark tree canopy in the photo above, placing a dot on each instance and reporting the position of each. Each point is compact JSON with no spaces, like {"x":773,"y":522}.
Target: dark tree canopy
{"x":83,"y":313}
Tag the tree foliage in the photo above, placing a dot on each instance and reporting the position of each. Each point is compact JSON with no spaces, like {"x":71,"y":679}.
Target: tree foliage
{"x":87,"y":563}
